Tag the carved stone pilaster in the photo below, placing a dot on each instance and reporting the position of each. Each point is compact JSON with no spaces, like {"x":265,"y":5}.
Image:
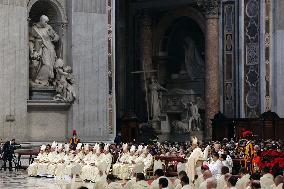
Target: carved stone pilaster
{"x":210,"y":8}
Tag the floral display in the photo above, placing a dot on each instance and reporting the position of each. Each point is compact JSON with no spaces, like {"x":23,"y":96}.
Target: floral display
{"x":272,"y":159}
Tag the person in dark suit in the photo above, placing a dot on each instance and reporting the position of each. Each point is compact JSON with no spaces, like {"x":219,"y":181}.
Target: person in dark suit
{"x":8,"y":152}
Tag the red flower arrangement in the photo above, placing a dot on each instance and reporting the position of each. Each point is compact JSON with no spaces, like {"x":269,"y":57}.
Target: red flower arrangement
{"x":272,"y":159}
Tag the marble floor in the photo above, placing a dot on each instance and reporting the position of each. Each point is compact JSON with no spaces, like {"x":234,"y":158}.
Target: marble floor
{"x":20,"y":179}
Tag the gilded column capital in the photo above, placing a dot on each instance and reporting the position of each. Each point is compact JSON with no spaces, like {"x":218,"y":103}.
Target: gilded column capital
{"x":210,"y":8}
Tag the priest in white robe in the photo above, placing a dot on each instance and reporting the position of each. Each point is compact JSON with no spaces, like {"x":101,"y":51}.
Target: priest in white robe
{"x":32,"y":169}
{"x":267,"y":180}
{"x":244,"y":180}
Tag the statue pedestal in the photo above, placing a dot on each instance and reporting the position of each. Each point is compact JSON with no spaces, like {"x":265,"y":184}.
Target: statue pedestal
{"x":42,"y":93}
{"x":47,"y":120}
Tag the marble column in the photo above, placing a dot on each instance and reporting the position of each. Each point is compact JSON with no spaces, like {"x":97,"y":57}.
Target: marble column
{"x":212,"y":82}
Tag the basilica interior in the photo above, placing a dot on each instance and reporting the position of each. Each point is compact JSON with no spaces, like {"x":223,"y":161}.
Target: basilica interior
{"x":111,"y":94}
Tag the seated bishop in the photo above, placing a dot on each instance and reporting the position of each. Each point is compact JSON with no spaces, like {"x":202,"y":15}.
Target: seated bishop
{"x":43,"y":166}
{"x":32,"y":169}
{"x":123,"y":157}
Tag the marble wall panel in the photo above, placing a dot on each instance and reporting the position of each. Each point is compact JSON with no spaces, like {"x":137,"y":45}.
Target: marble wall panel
{"x":48,"y":125}
{"x":13,"y":69}
{"x":89,"y":59}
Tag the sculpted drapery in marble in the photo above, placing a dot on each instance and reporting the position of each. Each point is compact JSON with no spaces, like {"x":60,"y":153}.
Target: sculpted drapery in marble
{"x":46,"y":69}
{"x":42,"y":53}
{"x":155,"y":98}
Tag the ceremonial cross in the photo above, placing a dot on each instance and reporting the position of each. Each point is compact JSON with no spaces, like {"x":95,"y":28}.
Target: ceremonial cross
{"x":146,"y":88}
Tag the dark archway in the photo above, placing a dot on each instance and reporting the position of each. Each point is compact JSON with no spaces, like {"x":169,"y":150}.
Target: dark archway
{"x":182,"y":29}
{"x":180,"y":59}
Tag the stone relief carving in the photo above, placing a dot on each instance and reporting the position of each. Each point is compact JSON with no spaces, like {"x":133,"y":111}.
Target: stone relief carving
{"x":46,"y":69}
{"x":186,"y":103}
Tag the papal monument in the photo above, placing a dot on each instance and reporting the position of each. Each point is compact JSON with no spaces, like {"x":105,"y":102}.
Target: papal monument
{"x":57,"y":69}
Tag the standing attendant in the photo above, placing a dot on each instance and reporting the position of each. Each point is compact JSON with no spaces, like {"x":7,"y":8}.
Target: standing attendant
{"x":74,"y":140}
{"x":8,"y":152}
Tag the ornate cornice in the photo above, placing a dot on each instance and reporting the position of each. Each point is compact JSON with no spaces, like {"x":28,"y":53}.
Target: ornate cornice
{"x":210,"y":8}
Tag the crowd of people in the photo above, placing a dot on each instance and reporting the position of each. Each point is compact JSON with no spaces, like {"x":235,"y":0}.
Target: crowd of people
{"x":208,"y":165}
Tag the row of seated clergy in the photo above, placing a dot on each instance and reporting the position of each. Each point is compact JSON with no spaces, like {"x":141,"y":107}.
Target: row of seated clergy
{"x":53,"y":161}
{"x":131,"y":159}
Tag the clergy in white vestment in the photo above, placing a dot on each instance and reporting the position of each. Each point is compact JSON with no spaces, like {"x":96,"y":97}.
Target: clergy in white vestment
{"x":199,"y":172}
{"x":196,"y":155}
{"x":111,"y":184}
{"x":163,"y":183}
{"x":177,"y":182}
{"x":74,"y":167}
{"x":101,"y":179}
{"x":140,"y":156}
{"x":267,"y":180}
{"x":129,"y":184}
{"x":32,"y":169}
{"x":58,"y":157}
{"x":185,"y":183}
{"x":87,"y":173}
{"x":61,"y":165}
{"x":137,"y":169}
{"x":244,"y":179}
{"x":107,"y":159}
{"x":149,"y":160}
{"x":232,"y":181}
{"x":221,"y":181}
{"x":215,"y":166}
{"x":123,"y":157}
{"x":227,"y":161}
{"x":159,"y":173}
{"x":278,"y":182}
{"x":51,"y":153}
{"x":95,"y":164}
{"x":140,"y":182}
{"x":207,"y":175}
{"x":128,"y":164}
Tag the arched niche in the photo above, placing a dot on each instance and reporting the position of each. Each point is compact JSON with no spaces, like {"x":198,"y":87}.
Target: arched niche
{"x":184,"y":79}
{"x":180,"y":33}
{"x":57,"y":19}
{"x":162,"y":29}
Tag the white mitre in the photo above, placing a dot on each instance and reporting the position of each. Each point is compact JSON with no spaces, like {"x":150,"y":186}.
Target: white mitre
{"x":86,"y":147}
{"x":106,"y":147}
{"x":79,"y":146}
{"x":140,"y":148}
{"x":43,"y":147}
{"x":60,"y":146}
{"x":133,"y":148}
{"x":194,"y":140}
{"x":145,"y":148}
{"x":97,"y":147}
{"x":54,"y":144}
{"x":66,"y":147}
